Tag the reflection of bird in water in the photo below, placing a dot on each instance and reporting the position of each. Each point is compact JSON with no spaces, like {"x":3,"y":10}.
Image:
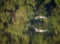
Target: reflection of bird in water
{"x":41,"y":31}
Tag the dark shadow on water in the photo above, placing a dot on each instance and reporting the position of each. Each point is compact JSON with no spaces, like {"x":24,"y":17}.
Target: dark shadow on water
{"x":30,"y":33}
{"x":0,"y":19}
{"x":9,"y":38}
{"x":5,"y":24}
{"x":57,"y":42}
{"x":49,"y":7}
{"x":16,"y":6}
{"x":39,"y":2}
{"x":50,"y":35}
{"x":2,"y":3}
{"x":36,"y":21}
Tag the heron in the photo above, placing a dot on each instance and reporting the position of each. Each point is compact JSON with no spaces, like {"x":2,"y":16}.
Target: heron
{"x":37,"y":17}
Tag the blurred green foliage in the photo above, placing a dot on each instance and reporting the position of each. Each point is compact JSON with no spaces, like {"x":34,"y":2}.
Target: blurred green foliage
{"x":17,"y":18}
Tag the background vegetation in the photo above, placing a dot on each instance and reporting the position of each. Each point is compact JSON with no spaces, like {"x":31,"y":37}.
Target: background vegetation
{"x":17,"y":19}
